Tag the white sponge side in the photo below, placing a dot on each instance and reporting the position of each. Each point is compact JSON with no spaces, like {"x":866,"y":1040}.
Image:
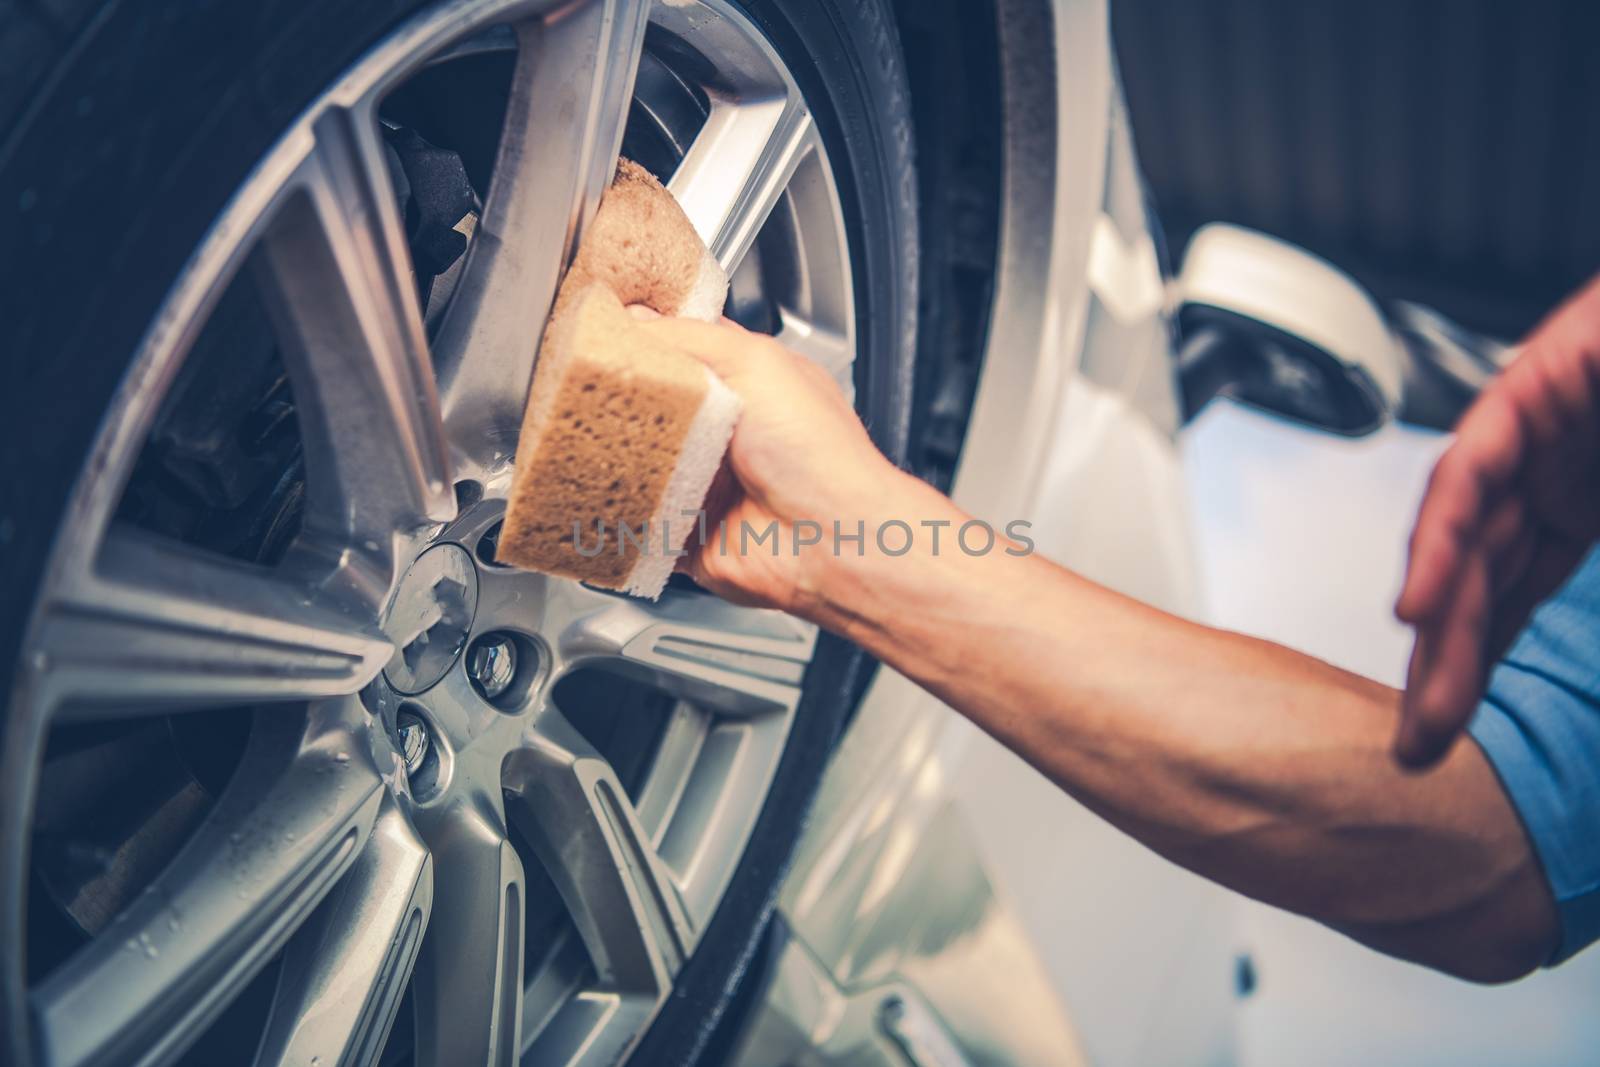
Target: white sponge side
{"x":708,"y":294}
{"x":698,"y":463}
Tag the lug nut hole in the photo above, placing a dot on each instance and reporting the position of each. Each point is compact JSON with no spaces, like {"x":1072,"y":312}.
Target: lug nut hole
{"x":503,"y":667}
{"x":489,"y":544}
{"x":468,"y":493}
{"x":419,"y":750}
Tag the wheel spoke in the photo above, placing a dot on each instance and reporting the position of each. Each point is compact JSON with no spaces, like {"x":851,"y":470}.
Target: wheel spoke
{"x":735,"y":660}
{"x":683,"y":740}
{"x":575,"y":813}
{"x":830,"y":350}
{"x":346,"y":969}
{"x":755,"y":136}
{"x":338,"y":280}
{"x":161,"y":624}
{"x":558,"y":151}
{"x":468,"y":985}
{"x":291,"y":822}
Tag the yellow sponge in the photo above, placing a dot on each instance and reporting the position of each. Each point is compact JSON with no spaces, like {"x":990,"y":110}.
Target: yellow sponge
{"x":646,"y":250}
{"x":621,"y":431}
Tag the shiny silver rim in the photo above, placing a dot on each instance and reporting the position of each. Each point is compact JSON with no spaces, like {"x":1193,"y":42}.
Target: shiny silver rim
{"x":363,"y":839}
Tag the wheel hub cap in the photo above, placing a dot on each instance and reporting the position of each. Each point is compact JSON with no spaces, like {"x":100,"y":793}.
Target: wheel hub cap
{"x":430,"y":618}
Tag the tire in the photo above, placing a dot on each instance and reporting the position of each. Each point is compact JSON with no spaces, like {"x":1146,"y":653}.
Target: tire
{"x":139,"y":121}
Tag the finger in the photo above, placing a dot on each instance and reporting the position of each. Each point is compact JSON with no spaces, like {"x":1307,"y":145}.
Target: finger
{"x":1513,"y":563}
{"x":695,"y":568}
{"x":1449,"y":669}
{"x":723,"y":494}
{"x":1445,"y":522}
{"x":725,"y":349}
{"x":1467,"y":480}
{"x":1557,"y":373}
{"x":1550,"y":563}
{"x":1570,"y":325}
{"x":1548,"y":390}
{"x":1504,"y":532}
{"x":1408,"y":741}
{"x":702,"y":575}
{"x":1501,"y":554}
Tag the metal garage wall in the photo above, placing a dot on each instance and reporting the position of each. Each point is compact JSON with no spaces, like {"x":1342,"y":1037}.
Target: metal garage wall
{"x":1443,"y":150}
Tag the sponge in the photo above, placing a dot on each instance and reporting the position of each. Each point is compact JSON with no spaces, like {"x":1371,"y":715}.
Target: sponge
{"x":644,"y":247}
{"x":622,"y":434}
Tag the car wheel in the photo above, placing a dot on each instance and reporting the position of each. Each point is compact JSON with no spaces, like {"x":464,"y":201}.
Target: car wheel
{"x":292,"y":771}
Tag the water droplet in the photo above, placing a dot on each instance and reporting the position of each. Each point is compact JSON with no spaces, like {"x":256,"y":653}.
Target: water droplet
{"x":372,"y":546}
{"x":341,"y":757}
{"x":131,"y":945}
{"x":289,"y":836}
{"x":174,"y":923}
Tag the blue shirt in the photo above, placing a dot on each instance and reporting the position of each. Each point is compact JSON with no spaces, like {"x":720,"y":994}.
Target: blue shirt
{"x":1539,"y":724}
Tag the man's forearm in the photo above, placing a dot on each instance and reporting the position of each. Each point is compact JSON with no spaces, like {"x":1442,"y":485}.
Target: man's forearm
{"x":1253,"y":765}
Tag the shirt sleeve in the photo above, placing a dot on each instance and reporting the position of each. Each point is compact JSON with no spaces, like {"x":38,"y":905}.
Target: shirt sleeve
{"x":1539,"y":725}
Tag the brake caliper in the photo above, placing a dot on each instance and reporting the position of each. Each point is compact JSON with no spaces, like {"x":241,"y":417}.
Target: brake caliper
{"x":436,"y":199}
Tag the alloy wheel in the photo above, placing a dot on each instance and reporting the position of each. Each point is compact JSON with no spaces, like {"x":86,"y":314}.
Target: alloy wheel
{"x":413,"y":813}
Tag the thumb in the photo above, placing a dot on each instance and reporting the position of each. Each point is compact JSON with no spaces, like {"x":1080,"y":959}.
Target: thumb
{"x":725,"y":348}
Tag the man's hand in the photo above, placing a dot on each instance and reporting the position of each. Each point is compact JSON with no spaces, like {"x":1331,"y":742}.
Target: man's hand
{"x":799,"y":455}
{"x":1512,"y":508}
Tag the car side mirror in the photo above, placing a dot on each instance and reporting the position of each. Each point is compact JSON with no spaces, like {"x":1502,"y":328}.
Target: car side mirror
{"x":1273,"y":326}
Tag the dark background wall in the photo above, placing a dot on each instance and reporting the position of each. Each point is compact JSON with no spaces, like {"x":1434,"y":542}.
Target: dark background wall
{"x":1446,"y":151}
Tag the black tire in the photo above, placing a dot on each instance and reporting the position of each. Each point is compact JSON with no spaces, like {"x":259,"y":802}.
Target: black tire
{"x":135,"y":124}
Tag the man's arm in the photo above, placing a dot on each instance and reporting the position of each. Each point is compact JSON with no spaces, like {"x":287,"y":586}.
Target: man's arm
{"x":1252,"y":765}
{"x":1255,"y":766}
